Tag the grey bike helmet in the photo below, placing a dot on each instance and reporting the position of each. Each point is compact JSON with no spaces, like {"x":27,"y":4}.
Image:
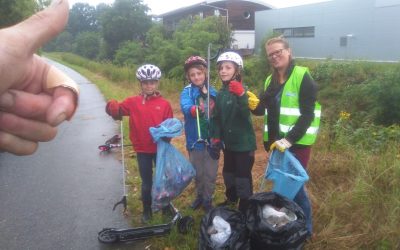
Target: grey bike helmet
{"x":148,"y":72}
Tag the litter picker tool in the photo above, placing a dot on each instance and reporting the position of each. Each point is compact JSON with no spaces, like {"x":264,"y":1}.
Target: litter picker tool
{"x":209,"y":58}
{"x":123,"y":200}
{"x":199,"y":139}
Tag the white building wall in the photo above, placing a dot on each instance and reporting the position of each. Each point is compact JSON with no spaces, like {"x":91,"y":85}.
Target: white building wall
{"x":371,"y":28}
{"x":243,"y":39}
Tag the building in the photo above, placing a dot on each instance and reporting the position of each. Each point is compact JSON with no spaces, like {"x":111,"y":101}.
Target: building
{"x":239,"y":14}
{"x":337,"y":29}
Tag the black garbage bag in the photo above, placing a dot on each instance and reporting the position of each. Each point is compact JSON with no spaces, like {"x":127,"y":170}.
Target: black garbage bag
{"x":263,"y":235}
{"x":238,"y":239}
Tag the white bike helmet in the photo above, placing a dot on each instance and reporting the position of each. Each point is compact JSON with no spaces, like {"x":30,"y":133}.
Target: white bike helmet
{"x":231,"y":57}
{"x":148,"y":72}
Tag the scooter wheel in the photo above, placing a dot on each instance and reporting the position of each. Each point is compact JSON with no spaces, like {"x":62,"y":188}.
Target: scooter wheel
{"x":104,"y":148}
{"x":107,"y":236}
{"x":185,"y":224}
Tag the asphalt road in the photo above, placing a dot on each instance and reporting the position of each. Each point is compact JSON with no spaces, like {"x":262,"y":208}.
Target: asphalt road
{"x":60,"y":197}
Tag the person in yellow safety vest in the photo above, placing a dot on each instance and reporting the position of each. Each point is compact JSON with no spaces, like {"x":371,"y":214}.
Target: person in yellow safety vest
{"x":292,"y":113}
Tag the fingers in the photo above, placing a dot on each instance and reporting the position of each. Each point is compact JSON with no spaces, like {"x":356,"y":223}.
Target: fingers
{"x":25,"y":104}
{"x":44,"y":25}
{"x":63,"y":106}
{"x":30,"y":130}
{"x":16,"y":145}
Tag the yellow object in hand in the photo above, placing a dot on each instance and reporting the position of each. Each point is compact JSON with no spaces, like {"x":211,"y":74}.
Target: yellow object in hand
{"x":253,"y":100}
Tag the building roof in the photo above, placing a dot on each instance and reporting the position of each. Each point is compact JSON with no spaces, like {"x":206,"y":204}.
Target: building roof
{"x":258,"y":4}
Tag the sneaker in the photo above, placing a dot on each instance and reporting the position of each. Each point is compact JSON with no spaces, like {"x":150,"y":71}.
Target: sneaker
{"x":196,"y":203}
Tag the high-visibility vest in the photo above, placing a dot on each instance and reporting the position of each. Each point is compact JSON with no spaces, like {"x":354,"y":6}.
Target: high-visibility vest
{"x":290,"y":110}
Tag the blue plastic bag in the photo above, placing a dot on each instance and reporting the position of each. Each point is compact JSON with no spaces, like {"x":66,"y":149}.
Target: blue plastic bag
{"x":286,"y":172}
{"x":173,"y":171}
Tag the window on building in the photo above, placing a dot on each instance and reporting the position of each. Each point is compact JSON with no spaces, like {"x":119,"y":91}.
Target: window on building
{"x":343,"y":41}
{"x":296,"y":31}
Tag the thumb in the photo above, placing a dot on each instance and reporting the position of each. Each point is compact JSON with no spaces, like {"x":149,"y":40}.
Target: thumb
{"x":44,"y":25}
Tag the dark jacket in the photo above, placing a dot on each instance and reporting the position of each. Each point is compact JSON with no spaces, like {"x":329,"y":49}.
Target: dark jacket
{"x":270,"y":100}
{"x":232,"y":121}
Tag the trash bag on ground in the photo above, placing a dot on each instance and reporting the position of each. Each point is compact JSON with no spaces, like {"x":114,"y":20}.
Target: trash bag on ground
{"x":220,"y":231}
{"x":274,"y":232}
{"x":238,"y":237}
{"x":173,"y":171}
{"x":286,"y":172}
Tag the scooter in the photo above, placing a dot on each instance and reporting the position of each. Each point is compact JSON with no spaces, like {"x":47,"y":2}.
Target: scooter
{"x":113,"y":142}
{"x":113,"y":235}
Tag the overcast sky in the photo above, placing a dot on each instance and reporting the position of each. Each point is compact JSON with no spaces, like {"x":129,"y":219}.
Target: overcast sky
{"x":162,"y":6}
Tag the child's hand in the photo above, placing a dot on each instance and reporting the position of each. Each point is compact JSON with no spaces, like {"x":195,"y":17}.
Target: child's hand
{"x":193,"y":111}
{"x":112,"y":109}
{"x":199,"y":108}
{"x":236,"y":88}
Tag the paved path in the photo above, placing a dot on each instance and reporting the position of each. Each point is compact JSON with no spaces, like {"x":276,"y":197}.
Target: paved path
{"x":60,"y":197}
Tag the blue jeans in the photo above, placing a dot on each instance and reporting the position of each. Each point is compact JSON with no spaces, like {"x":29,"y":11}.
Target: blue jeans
{"x":145,"y":164}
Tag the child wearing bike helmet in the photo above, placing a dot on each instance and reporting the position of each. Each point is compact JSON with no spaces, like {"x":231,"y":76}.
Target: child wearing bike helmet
{"x":196,"y":108}
{"x":148,"y":109}
{"x":232,"y":127}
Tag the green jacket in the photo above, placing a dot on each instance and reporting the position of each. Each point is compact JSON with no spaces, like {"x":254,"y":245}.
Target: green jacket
{"x":231,"y":122}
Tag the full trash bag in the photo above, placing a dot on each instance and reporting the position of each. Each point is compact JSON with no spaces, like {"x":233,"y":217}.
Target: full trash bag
{"x":236,"y":239}
{"x":266,"y":235}
{"x":173,"y":171}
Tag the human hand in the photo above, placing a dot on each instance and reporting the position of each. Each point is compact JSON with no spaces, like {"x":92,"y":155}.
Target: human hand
{"x":236,"y":88}
{"x":34,"y":96}
{"x":199,"y":108}
{"x":253,"y":100}
{"x":112,"y":109}
{"x":281,"y":145}
{"x":193,"y":111}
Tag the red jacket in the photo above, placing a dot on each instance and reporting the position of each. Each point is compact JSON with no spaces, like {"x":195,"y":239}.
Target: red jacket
{"x":145,"y":113}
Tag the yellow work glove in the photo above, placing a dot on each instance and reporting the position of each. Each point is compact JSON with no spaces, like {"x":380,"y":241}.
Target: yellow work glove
{"x":281,"y":145}
{"x":253,"y":100}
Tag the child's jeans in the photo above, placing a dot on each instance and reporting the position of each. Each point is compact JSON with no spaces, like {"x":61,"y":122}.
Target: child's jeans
{"x":146,"y":161}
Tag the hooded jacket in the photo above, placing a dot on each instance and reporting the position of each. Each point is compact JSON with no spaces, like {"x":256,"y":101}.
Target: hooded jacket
{"x":190,"y":96}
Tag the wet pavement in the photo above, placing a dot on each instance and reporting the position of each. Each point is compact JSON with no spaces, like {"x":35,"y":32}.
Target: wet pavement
{"x":63,"y":195}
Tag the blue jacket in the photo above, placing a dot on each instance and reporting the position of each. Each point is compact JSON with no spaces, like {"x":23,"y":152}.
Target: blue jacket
{"x":190,"y":96}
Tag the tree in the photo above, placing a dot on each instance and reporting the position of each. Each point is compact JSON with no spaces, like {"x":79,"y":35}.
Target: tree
{"x":14,"y":11}
{"x":126,"y":20}
{"x":87,"y":44}
{"x":62,"y":42}
{"x":191,"y":38}
{"x":130,"y":53}
{"x":82,"y":18}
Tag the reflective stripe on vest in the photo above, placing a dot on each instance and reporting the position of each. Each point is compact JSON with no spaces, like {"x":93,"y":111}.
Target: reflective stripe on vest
{"x":290,"y":110}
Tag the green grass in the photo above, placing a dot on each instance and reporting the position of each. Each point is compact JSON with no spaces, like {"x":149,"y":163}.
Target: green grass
{"x":354,"y":176}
